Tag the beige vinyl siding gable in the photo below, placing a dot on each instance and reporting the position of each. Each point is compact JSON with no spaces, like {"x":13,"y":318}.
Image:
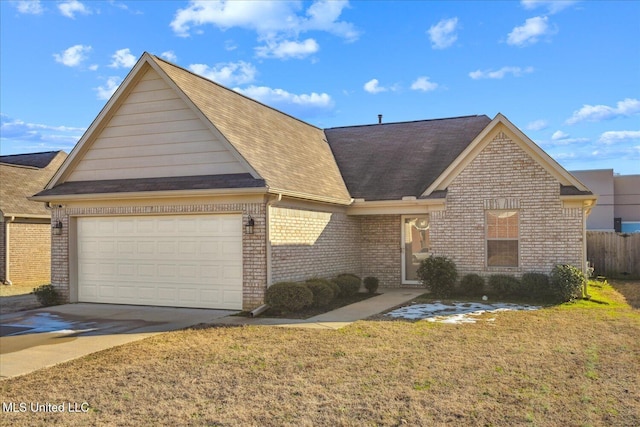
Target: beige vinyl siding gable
{"x":154,"y":133}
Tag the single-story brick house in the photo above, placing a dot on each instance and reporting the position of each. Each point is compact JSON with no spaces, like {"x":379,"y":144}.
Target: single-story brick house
{"x":185,"y":193}
{"x":25,"y":226}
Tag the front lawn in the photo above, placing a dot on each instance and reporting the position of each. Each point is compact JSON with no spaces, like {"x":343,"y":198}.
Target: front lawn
{"x":574,"y":364}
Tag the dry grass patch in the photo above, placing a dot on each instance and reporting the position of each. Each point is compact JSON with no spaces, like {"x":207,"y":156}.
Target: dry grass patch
{"x":630,"y":289}
{"x":574,"y":364}
{"x":11,"y":290}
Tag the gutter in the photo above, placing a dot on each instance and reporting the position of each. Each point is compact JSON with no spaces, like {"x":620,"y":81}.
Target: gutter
{"x":312,"y":197}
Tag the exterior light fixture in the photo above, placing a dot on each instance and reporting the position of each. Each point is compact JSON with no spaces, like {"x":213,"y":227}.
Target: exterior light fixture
{"x":248,"y":228}
{"x":57,"y":228}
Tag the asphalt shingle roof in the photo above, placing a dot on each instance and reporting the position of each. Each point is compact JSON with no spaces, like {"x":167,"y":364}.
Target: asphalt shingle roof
{"x":392,"y":160}
{"x":288,"y":153}
{"x":24,"y":175}
{"x":202,"y":182}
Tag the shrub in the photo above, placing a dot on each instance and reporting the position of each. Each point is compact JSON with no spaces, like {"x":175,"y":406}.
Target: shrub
{"x":438,"y":275}
{"x":535,"y":285}
{"x":349,"y":284}
{"x":288,"y":296}
{"x":371,"y":283}
{"x":567,"y":282}
{"x":472,"y":284}
{"x":322,"y":293}
{"x":503,"y":284}
{"x":47,"y":295}
{"x":329,"y":283}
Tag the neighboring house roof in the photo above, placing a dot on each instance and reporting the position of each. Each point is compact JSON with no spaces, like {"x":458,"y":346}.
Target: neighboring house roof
{"x":22,"y":176}
{"x":390,"y":161}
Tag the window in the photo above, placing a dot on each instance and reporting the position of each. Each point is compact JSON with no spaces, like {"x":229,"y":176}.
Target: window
{"x":502,"y":238}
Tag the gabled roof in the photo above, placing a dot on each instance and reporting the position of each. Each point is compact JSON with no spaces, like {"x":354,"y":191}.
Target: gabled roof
{"x":501,"y":124}
{"x":291,"y":156}
{"x":390,"y":161}
{"x":22,"y":176}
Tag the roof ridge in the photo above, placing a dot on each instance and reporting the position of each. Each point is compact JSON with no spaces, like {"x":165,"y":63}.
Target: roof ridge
{"x":409,"y":121}
{"x":235,"y":92}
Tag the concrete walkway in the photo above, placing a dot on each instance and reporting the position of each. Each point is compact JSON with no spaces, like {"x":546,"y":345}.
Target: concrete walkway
{"x":336,"y":319}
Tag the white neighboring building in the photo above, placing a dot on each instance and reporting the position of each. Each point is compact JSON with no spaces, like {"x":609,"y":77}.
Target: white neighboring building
{"x":618,"y":207}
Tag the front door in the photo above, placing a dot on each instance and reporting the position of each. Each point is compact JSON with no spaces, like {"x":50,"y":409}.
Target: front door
{"x":415,"y":246}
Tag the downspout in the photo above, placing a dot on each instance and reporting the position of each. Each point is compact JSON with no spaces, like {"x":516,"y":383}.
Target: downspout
{"x":585,"y":213}
{"x":268,"y":235}
{"x":7,"y":252}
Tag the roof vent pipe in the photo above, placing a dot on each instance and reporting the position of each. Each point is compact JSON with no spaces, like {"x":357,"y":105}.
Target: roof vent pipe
{"x":379,"y":119}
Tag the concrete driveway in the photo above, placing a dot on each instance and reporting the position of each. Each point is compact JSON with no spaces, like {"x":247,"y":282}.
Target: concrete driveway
{"x":35,"y":339}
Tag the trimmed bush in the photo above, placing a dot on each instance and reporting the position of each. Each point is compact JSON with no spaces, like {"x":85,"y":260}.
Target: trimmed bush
{"x":288,"y":296}
{"x":371,"y":284}
{"x":567,"y":282}
{"x":503,"y":284}
{"x":322,"y":293}
{"x":535,"y":285}
{"x":329,"y":283}
{"x":47,"y":295}
{"x":438,"y":274}
{"x":472,"y":284}
{"x":349,"y":284}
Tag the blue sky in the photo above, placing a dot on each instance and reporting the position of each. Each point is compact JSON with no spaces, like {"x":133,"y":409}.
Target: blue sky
{"x":566,"y":73}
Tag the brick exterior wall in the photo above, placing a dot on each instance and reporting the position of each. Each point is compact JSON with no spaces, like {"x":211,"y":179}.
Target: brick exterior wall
{"x":308,"y":244}
{"x":381,"y":243}
{"x":254,"y":253}
{"x":29,"y":253}
{"x":505,"y":176}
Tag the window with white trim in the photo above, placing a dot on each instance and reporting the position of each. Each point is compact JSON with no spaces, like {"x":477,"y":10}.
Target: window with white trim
{"x":503,"y":234}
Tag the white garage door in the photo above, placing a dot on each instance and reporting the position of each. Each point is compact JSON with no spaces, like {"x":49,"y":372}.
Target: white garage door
{"x":178,"y":261}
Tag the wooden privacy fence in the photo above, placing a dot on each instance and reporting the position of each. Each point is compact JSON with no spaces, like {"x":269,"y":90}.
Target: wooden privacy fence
{"x":613,"y":253}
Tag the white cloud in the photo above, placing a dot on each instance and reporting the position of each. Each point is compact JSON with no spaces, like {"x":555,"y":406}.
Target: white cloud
{"x":71,"y":7}
{"x":169,"y":56}
{"x":530,"y":32}
{"x":423,"y":84}
{"x":596,"y":113}
{"x":302,"y":105}
{"x":373,"y":86}
{"x":552,"y":6}
{"x":123,"y":58}
{"x":73,"y":56}
{"x":499,"y":74}
{"x":559,"y":135}
{"x":611,"y":137}
{"x":288,"y":49}
{"x":228,"y":73}
{"x":105,"y":92}
{"x":443,"y":34}
{"x":269,"y":19}
{"x":93,"y":67}
{"x":537,"y":125}
{"x":30,"y":7}
{"x":562,"y":138}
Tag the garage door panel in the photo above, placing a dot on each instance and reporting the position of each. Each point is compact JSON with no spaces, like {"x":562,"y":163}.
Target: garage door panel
{"x":189,"y":261}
